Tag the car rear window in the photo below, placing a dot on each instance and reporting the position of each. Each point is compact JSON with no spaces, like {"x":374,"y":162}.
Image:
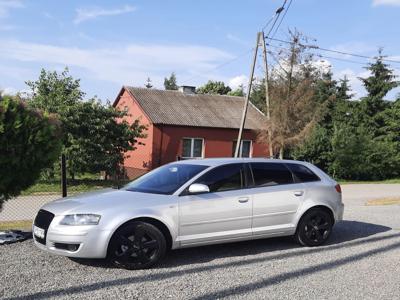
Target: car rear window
{"x":269,"y":174}
{"x":303,"y":173}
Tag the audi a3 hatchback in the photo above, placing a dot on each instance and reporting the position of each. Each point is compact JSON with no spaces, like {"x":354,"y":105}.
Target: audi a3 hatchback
{"x":192,"y":203}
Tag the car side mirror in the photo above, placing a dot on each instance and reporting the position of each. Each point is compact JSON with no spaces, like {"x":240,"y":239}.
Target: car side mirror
{"x":198,"y":188}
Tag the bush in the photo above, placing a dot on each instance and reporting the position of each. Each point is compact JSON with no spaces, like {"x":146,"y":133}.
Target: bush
{"x":29,"y":142}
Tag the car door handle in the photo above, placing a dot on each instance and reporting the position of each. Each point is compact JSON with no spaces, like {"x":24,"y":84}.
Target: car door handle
{"x":298,"y":193}
{"x":243,"y":199}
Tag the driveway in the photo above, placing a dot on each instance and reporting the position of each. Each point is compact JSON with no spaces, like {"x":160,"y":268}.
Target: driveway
{"x":361,"y":261}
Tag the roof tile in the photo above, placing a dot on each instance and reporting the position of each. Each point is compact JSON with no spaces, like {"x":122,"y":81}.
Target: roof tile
{"x":200,"y":110}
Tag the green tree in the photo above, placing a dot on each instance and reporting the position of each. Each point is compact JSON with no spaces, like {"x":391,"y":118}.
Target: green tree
{"x":29,"y":143}
{"x":95,"y":135}
{"x":148,"y":84}
{"x":170,"y":83}
{"x":55,"y":92}
{"x":295,"y":105}
{"x":239,"y":92}
{"x":316,"y":149}
{"x":99,"y":143}
{"x":343,"y":89}
{"x":214,"y":87}
{"x":378,"y":84}
{"x":257,"y":96}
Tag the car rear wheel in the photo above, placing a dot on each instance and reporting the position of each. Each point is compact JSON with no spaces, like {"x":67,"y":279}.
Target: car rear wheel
{"x":137,"y":245}
{"x":314,"y":228}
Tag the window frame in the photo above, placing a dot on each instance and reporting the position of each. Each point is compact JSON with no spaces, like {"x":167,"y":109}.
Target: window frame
{"x":297,"y":179}
{"x":192,"y":139}
{"x":241,"y":148}
{"x":245,"y":183}
{"x":253,"y":186}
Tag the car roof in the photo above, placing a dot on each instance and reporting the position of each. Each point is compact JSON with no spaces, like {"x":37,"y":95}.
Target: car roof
{"x":220,"y":161}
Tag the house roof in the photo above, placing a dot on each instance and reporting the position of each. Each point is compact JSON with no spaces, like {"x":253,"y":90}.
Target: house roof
{"x":199,"y":110}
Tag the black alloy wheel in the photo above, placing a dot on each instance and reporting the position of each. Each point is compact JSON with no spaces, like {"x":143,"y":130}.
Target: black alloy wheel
{"x":137,"y":245}
{"x":314,"y":228}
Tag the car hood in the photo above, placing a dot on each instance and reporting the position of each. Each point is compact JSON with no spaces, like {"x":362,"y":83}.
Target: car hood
{"x":104,"y":200}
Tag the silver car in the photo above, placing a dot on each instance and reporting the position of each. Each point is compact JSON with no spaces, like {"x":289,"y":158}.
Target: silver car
{"x":192,"y":203}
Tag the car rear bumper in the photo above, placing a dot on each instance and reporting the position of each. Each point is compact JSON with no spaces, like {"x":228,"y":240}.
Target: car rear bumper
{"x":75,"y":241}
{"x":339,"y":213}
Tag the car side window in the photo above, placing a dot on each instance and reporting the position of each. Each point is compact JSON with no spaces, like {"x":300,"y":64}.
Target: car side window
{"x":224,"y":178}
{"x":303,"y":173}
{"x":270,"y":174}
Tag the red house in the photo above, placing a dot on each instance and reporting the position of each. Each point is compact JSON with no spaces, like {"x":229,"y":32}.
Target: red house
{"x":183,"y":124}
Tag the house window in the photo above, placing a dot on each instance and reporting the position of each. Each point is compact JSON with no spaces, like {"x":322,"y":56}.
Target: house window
{"x":192,"y":148}
{"x":245,"y":149}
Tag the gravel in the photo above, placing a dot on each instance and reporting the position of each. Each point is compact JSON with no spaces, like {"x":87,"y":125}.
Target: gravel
{"x":361,"y":261}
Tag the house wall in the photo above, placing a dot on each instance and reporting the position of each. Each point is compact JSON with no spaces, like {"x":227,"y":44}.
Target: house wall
{"x":163,"y":143}
{"x":218,"y":142}
{"x":140,"y":159}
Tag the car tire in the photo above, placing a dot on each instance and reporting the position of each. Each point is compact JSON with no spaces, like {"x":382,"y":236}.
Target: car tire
{"x":314,"y":228}
{"x":137,"y":245}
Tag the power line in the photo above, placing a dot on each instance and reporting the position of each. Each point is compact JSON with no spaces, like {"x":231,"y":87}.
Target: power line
{"x":280,"y":22}
{"x":333,"y":51}
{"x":222,"y":65}
{"x":274,"y":16}
{"x":277,"y":14}
{"x":324,"y":56}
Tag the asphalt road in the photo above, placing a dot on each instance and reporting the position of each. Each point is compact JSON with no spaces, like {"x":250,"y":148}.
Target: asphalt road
{"x":361,"y":261}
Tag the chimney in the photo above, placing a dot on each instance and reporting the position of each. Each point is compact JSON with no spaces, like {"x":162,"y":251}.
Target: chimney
{"x":187,"y":89}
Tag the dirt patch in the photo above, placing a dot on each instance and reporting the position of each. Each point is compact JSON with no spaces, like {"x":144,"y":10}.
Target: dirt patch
{"x":384,"y":201}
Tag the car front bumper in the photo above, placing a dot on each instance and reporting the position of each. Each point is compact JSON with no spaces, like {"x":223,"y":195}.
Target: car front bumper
{"x":90,"y":241}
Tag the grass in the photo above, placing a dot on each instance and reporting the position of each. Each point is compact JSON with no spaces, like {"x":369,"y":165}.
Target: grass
{"x":73,"y":186}
{"x":394,"y":180}
{"x":21,"y":225}
{"x":384,"y":201}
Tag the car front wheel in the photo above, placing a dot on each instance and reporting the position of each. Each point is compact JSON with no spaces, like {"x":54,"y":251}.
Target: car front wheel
{"x":137,"y":245}
{"x":314,"y":228}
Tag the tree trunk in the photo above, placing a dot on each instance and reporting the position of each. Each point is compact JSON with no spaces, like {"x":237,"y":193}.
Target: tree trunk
{"x":281,"y":152}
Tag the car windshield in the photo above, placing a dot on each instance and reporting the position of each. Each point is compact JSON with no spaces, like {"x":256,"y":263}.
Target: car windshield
{"x":165,"y":180}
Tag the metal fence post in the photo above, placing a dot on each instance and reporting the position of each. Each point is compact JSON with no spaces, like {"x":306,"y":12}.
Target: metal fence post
{"x":63,"y":176}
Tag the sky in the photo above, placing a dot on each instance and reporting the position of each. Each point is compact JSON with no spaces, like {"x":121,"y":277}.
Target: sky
{"x":108,"y":44}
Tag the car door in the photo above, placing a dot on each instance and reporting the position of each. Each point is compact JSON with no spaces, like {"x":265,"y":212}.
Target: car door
{"x":223,"y":213}
{"x":276,"y":198}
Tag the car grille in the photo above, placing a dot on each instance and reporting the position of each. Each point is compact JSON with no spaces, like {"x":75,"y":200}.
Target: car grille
{"x":43,"y":220}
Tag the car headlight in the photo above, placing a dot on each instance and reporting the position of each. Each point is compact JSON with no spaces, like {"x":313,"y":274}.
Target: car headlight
{"x":80,"y":219}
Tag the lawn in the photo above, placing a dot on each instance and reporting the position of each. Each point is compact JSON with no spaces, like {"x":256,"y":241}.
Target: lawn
{"x":20,"y":225}
{"x":85,"y":185}
{"x":73,"y":186}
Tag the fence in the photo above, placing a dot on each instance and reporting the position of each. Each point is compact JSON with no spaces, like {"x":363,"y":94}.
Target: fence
{"x":18,"y":213}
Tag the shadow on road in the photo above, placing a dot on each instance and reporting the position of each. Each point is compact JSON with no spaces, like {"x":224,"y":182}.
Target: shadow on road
{"x":348,"y":234}
{"x":343,"y":232}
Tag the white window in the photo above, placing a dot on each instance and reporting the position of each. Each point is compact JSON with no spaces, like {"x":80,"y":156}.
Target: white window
{"x":245,"y":148}
{"x":192,"y":148}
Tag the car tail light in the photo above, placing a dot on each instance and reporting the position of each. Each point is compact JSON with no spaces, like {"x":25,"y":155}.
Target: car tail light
{"x":338,"y":188}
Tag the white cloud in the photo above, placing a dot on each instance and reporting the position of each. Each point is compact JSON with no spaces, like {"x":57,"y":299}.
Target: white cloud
{"x":130,"y":64}
{"x":236,"y":81}
{"x":85,"y":14}
{"x":386,"y":2}
{"x":7,"y":5}
{"x":282,"y":67}
{"x":8,"y":91}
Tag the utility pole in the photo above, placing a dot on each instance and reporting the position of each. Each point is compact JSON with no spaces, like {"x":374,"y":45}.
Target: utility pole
{"x":246,"y":103}
{"x":271,"y":151}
